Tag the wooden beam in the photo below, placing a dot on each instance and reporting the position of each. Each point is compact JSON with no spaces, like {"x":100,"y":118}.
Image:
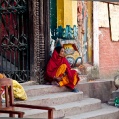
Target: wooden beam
{"x":114,"y":3}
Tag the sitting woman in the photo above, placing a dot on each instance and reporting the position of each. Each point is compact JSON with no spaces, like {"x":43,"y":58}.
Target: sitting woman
{"x":59,"y":70}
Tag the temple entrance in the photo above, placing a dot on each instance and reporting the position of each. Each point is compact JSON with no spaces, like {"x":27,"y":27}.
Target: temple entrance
{"x":14,"y":41}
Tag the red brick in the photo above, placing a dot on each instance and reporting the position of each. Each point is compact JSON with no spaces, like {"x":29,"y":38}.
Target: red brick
{"x":108,"y":53}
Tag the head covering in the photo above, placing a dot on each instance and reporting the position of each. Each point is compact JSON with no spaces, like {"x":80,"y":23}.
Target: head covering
{"x":58,"y":49}
{"x":55,"y":62}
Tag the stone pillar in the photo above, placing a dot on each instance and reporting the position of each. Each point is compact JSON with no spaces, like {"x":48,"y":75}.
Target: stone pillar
{"x":46,"y":19}
{"x":80,"y":26}
{"x":74,"y":12}
{"x":41,"y":58}
{"x":36,"y":39}
{"x":66,"y":13}
{"x":41,"y":37}
{"x":90,"y":31}
{"x":95,"y":34}
{"x":60,"y":13}
{"x":31,"y":37}
{"x":39,"y":44}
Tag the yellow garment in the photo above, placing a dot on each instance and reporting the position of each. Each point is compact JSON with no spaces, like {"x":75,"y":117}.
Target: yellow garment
{"x":2,"y":76}
{"x":18,"y":91}
{"x":75,"y":79}
{"x":61,"y":70}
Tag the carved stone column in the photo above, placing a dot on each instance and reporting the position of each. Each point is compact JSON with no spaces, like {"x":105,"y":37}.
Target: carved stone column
{"x":41,"y":37}
{"x":41,"y":41}
{"x":80,"y":26}
{"x":31,"y":38}
{"x":46,"y":8}
{"x":36,"y":39}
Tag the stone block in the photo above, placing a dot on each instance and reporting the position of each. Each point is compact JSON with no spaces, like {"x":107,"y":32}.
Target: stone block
{"x":115,"y":94}
{"x":97,"y":89}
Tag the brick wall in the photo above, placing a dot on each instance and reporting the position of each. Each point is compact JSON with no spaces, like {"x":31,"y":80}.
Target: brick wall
{"x":108,"y":54}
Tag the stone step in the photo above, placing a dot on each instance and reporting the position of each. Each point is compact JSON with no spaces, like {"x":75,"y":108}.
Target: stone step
{"x":97,"y":89}
{"x":67,"y":109}
{"x":106,"y":112}
{"x":35,"y":90}
{"x":53,"y":99}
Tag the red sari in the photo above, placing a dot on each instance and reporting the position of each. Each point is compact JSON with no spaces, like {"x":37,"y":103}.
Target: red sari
{"x":55,"y":62}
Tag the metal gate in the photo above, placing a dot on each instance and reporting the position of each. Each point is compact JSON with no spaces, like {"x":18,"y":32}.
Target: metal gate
{"x":14,"y":43}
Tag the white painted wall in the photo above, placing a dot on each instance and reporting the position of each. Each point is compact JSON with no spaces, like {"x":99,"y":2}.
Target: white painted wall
{"x":95,"y":34}
{"x":103,"y":20}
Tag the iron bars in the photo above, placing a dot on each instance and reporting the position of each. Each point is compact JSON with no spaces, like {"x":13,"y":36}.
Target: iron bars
{"x":14,"y":43}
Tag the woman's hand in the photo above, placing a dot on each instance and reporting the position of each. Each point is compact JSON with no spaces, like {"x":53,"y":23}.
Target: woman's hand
{"x":58,"y":79}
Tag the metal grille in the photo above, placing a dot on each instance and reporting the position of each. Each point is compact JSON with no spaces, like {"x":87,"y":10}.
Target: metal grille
{"x":14,"y":44}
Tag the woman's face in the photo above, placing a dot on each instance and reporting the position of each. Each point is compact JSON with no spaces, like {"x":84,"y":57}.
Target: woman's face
{"x":62,"y":54}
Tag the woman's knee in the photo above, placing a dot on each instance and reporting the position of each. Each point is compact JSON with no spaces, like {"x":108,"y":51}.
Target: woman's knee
{"x":64,"y":66}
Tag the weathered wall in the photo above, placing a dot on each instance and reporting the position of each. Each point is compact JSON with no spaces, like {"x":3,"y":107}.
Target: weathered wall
{"x":109,"y":54}
{"x":108,"y":49}
{"x":102,"y":15}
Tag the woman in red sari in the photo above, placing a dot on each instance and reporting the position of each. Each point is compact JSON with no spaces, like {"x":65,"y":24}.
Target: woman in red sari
{"x":59,"y":70}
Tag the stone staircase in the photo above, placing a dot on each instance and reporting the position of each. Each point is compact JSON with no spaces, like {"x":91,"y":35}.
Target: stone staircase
{"x":68,"y":105}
